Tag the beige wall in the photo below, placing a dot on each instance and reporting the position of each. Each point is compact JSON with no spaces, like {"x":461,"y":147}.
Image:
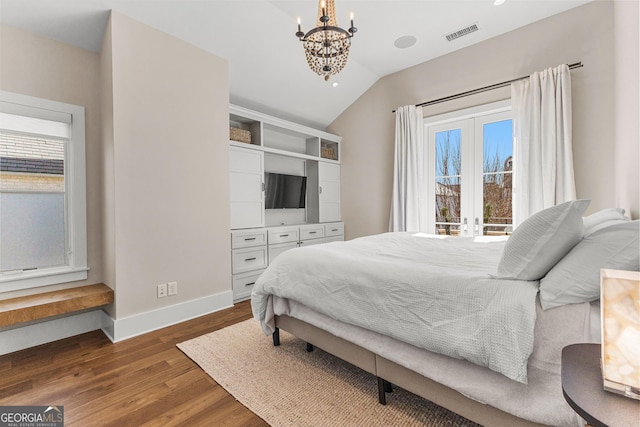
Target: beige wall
{"x":40,"y":67}
{"x":167,"y":210}
{"x":627,"y":131}
{"x":583,"y":34}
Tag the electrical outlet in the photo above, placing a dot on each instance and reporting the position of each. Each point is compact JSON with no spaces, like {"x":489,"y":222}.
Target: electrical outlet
{"x":162,"y":290}
{"x":173,"y":288}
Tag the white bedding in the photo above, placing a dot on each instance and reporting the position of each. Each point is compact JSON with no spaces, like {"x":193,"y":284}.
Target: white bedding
{"x":430,"y":293}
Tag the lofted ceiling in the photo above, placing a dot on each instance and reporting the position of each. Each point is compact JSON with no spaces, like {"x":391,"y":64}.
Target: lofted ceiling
{"x":267,"y":67}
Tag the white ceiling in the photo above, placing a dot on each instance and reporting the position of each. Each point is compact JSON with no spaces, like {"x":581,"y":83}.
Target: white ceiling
{"x":268,"y":70}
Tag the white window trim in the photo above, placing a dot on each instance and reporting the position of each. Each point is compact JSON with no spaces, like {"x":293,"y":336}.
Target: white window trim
{"x":76,"y":194}
{"x":432,"y":122}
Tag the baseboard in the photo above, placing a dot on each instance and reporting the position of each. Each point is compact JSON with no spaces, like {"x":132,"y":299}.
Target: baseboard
{"x":34,"y":334}
{"x":138,"y":324}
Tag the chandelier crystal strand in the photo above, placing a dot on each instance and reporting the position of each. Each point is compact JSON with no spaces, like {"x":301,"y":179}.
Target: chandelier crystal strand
{"x":327,"y":45}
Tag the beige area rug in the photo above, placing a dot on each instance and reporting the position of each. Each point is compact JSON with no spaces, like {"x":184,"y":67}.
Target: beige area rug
{"x":287,"y":386}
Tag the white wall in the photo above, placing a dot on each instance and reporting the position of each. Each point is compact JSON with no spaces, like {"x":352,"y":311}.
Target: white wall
{"x":626,"y":108}
{"x":167,"y":177}
{"x":44,"y":68}
{"x":582,"y":34}
{"x":157,"y":168}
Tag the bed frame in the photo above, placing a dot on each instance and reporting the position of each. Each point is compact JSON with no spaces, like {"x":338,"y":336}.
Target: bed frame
{"x":388,"y":372}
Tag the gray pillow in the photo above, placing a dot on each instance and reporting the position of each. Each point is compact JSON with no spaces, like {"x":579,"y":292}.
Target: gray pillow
{"x":541,"y":241}
{"x":576,"y":278}
{"x":603,"y":218}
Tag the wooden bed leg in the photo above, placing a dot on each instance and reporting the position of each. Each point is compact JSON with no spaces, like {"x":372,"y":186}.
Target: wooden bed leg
{"x":382,"y":386}
{"x":309,"y":348}
{"x":276,"y":337}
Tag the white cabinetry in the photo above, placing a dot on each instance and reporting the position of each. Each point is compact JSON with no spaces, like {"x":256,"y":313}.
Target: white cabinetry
{"x":254,"y":249}
{"x":246,"y":169}
{"x":262,"y":144}
{"x":329,"y":192}
{"x":249,"y":258}
{"x":282,"y":239}
{"x":334,"y":232}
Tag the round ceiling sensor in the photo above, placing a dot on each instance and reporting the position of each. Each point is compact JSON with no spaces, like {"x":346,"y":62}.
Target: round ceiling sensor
{"x":404,"y":42}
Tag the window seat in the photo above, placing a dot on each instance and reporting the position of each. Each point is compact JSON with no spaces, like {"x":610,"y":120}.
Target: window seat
{"x":28,"y":308}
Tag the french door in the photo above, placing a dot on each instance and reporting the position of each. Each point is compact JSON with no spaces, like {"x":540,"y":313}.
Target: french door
{"x":469,"y":162}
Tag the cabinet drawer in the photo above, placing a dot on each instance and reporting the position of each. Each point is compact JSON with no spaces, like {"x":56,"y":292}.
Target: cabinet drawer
{"x":243,"y":284}
{"x":311,"y":242}
{"x":311,"y":232}
{"x":249,"y":259}
{"x":283,"y":235}
{"x":334,"y":229}
{"x":248,"y":238}
{"x":275,"y":250}
{"x":334,"y":239}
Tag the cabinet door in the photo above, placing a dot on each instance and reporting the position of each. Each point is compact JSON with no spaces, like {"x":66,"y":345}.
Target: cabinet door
{"x":246,"y":167}
{"x":329,"y":189}
{"x":275,"y":250}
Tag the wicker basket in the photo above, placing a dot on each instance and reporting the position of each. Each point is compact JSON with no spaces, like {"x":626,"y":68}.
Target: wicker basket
{"x":240,"y":135}
{"x":328,"y":153}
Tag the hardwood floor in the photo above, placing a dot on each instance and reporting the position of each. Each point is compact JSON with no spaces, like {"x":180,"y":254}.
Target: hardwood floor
{"x":143,"y":381}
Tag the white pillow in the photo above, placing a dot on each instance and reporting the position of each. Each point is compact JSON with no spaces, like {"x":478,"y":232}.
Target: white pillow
{"x":602,"y":219}
{"x":541,"y":241}
{"x":576,"y":278}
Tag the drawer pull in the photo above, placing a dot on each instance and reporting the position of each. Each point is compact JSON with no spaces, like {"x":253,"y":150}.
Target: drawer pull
{"x":249,"y":238}
{"x":284,"y":235}
{"x":334,"y":229}
{"x":250,"y":284}
{"x":250,"y":259}
{"x":312,"y":232}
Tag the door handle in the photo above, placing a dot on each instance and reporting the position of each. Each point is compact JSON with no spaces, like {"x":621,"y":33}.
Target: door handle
{"x":465,"y":226}
{"x":476,"y":227}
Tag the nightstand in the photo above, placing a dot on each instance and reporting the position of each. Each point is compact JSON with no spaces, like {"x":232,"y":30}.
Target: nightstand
{"x":583,"y":390}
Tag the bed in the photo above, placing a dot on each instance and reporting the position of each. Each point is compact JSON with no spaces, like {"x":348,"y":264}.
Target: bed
{"x":458,"y":321}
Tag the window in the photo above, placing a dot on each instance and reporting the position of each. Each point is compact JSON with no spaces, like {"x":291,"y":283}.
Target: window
{"x":42,"y":192}
{"x":468,"y":171}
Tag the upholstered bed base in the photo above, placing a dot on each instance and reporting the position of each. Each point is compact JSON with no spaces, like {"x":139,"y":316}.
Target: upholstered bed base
{"x":390,"y":372}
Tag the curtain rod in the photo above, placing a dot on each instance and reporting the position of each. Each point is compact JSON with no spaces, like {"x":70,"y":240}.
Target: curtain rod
{"x":483,"y":89}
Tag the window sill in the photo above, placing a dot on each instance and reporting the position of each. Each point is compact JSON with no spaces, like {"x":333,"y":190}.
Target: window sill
{"x":13,"y":281}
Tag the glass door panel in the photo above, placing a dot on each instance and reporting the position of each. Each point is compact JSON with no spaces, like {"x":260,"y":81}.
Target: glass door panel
{"x":447,"y":181}
{"x":497,"y":163}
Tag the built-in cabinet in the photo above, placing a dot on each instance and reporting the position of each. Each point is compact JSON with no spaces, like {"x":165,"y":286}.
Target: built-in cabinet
{"x":260,"y":143}
{"x":254,"y":249}
{"x":246,"y":169}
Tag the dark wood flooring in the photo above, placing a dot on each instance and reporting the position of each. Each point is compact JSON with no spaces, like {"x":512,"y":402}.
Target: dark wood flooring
{"x":143,"y":381}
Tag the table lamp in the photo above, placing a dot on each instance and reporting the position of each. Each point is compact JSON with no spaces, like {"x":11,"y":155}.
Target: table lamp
{"x":620,"y":323}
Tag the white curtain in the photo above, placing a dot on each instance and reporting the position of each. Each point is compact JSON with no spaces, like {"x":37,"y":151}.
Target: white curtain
{"x":407,"y":197}
{"x":543,"y":157}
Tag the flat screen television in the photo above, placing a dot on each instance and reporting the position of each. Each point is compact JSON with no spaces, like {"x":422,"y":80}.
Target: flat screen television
{"x":284,"y":191}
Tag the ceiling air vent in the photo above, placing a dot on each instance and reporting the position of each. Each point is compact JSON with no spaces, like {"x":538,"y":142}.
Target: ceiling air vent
{"x":462,"y":32}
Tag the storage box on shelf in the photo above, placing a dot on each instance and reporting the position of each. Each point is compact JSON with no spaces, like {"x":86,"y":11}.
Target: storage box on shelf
{"x":240,"y":135}
{"x":275,"y":135}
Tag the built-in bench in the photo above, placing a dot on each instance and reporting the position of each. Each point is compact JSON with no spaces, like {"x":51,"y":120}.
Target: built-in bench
{"x":28,"y":308}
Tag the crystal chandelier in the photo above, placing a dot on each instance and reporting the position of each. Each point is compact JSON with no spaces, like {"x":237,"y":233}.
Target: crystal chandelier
{"x":327,"y":45}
